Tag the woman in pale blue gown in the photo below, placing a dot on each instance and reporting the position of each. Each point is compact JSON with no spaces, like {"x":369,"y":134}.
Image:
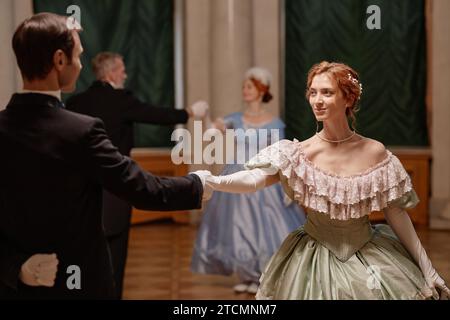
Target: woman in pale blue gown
{"x":240,"y":232}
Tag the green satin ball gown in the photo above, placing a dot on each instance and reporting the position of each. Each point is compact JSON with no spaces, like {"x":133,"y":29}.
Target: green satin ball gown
{"x":337,"y":254}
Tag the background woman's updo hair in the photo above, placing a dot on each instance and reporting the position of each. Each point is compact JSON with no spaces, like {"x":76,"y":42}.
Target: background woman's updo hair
{"x":262,"y":79}
{"x":347,"y":80}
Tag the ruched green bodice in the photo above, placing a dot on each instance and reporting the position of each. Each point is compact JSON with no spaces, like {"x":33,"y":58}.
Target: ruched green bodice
{"x":342,"y":237}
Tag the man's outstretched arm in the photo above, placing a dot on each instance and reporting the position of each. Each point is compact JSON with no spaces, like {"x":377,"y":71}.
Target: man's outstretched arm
{"x":126,"y":179}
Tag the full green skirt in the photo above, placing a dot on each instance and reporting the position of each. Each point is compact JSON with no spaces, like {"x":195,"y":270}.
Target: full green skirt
{"x":305,"y":268}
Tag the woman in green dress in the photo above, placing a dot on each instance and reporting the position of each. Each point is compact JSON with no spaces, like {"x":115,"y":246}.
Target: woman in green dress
{"x":340,"y":177}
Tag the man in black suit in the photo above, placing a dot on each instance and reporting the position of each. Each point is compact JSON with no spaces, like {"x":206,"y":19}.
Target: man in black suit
{"x":56,"y":164}
{"x":119,"y":109}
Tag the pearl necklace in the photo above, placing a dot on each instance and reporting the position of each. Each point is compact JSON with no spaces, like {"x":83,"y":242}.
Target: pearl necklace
{"x":255,"y":114}
{"x":336,"y":141}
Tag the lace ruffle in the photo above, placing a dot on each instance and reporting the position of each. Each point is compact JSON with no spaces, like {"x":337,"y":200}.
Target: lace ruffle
{"x":342,"y":197}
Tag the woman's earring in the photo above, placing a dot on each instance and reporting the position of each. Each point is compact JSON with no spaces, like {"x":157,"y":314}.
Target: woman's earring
{"x":317,"y":126}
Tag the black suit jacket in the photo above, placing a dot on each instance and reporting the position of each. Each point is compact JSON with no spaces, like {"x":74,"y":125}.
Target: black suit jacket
{"x":53,"y":167}
{"x":120,"y":109}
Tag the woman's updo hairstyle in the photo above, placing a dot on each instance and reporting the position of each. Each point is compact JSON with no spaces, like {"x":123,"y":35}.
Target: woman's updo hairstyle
{"x":347,"y":80}
{"x":262,"y":79}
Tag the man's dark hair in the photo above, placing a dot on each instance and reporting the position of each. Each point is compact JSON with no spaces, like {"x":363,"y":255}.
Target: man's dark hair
{"x":37,"y":39}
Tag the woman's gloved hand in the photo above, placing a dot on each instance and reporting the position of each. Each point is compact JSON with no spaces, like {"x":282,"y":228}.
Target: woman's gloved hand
{"x":400,"y":222}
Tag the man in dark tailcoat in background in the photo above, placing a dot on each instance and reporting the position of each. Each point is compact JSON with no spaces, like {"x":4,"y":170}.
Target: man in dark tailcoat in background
{"x":119,"y":109}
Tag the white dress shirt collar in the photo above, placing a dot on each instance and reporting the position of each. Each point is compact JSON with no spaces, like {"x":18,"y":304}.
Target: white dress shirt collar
{"x":56,"y":94}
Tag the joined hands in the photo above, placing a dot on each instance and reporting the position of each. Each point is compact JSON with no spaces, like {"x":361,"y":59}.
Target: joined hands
{"x":198,"y":110}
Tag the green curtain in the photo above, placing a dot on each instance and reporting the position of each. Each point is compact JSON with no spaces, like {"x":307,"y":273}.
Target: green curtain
{"x":391,"y":63}
{"x":141,"y":31}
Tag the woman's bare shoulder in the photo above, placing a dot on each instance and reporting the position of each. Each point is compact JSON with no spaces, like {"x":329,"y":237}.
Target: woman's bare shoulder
{"x":373,"y":149}
{"x":306,"y":144}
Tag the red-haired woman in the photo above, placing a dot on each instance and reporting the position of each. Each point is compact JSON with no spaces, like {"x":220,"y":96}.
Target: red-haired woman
{"x":340,"y":177}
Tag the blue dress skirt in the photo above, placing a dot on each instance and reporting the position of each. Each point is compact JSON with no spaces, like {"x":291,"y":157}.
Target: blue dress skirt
{"x":240,"y":232}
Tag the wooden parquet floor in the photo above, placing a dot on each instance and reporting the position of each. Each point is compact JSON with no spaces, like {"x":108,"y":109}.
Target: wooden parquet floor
{"x":159,"y":258}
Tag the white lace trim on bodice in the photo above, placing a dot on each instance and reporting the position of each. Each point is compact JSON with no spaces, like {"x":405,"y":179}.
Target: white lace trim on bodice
{"x":342,"y":197}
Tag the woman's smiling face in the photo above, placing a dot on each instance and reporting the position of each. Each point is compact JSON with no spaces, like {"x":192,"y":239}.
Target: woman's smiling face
{"x":325,"y":98}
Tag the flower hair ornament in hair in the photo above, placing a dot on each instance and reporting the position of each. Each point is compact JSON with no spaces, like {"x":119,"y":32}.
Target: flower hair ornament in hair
{"x":260,"y":74}
{"x":355,"y":81}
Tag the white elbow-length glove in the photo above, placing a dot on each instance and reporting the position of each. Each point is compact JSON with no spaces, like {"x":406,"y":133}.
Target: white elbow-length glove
{"x":245,"y":181}
{"x":199,"y":109}
{"x":400,"y":222}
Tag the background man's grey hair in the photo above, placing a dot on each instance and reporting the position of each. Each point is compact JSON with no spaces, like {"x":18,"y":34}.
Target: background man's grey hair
{"x":103,"y":63}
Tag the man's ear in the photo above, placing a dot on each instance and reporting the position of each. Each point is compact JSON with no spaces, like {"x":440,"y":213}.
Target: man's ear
{"x":59,"y":59}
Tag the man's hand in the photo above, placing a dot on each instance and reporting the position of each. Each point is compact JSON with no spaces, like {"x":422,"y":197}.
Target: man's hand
{"x":39,"y":270}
